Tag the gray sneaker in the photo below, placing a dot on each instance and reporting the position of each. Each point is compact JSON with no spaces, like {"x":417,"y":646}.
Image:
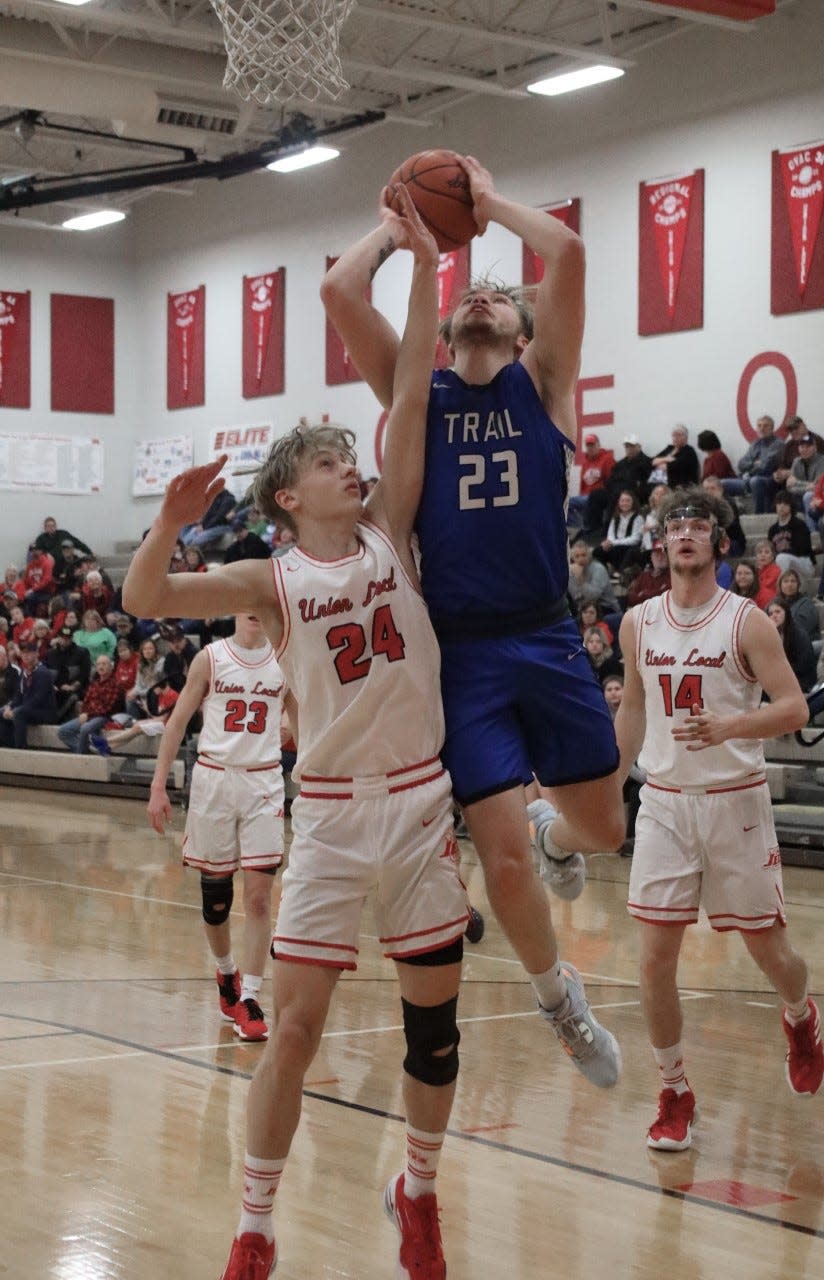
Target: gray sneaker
{"x":594,"y":1050}
{"x":565,"y":876}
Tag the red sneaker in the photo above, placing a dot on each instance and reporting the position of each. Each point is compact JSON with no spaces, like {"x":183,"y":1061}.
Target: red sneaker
{"x":421,"y":1252}
{"x":672,"y":1129}
{"x":805,"y":1055}
{"x":248,"y":1020}
{"x":253,"y":1257}
{"x":228,"y":985}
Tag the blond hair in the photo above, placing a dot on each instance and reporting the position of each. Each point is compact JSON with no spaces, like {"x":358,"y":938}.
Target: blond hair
{"x":289,"y":455}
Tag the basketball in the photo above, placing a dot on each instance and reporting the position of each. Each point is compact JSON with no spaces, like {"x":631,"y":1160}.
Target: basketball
{"x":439,"y":189}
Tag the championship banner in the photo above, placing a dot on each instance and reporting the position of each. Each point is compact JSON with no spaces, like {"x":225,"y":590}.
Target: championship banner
{"x":797,"y":258}
{"x":339,"y":367}
{"x":82,"y":354}
{"x":185,"y":348}
{"x":15,"y":350}
{"x":264,"y":323}
{"x":453,"y":278}
{"x":566,"y":211}
{"x":671,"y":254}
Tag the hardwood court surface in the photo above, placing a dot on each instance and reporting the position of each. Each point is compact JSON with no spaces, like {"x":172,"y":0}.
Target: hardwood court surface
{"x":122,"y":1093}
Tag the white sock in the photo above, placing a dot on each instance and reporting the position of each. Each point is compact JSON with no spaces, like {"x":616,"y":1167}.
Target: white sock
{"x":226,"y":964}
{"x":423,"y":1151}
{"x":797,"y":1013}
{"x":261,"y":1179}
{"x":550,"y":987}
{"x":539,"y":811}
{"x":250,"y":986}
{"x":671,"y":1068}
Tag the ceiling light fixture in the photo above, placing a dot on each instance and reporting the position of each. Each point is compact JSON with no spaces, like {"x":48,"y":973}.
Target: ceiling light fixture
{"x":303,"y":159}
{"x":91,"y":221}
{"x":571,"y":80}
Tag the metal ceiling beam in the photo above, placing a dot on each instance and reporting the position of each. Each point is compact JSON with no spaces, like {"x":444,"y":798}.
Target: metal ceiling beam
{"x":687,"y":15}
{"x":402,"y":71}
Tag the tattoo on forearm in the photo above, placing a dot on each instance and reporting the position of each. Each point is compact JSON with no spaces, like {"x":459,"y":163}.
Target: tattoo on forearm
{"x":384,"y":252}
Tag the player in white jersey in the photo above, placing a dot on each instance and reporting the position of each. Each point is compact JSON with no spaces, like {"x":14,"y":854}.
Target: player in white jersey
{"x":345,"y":615}
{"x":696,"y":661}
{"x":235,"y":817}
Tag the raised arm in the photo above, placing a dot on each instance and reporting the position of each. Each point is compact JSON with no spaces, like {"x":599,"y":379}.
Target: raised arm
{"x":150,"y":591}
{"x":194,"y":691}
{"x":368,"y":336}
{"x":394,"y":501}
{"x":553,"y":357}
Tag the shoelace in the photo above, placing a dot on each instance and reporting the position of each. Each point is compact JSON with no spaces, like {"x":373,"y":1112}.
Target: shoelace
{"x":423,"y":1219}
{"x":253,"y":1009}
{"x":227,"y":989}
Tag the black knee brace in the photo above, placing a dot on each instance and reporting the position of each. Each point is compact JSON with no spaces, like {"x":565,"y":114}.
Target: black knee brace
{"x":426,"y":1031}
{"x":218,"y":893}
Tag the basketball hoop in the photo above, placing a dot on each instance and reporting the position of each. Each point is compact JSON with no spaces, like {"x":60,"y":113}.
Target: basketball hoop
{"x":282,"y":49}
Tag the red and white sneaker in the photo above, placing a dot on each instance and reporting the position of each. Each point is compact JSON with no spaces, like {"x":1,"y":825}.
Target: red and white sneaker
{"x":228,"y":986}
{"x":253,"y":1257}
{"x":672,"y":1129}
{"x":805,"y":1055}
{"x":248,"y":1020}
{"x":421,"y":1252}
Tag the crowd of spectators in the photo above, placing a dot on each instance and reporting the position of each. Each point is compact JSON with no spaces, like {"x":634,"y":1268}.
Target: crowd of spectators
{"x":617,"y":558}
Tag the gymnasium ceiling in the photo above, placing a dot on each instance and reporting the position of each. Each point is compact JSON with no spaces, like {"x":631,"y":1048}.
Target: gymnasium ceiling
{"x":148,"y":74}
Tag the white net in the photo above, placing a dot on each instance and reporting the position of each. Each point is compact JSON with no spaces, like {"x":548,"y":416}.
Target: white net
{"x":283,"y":49}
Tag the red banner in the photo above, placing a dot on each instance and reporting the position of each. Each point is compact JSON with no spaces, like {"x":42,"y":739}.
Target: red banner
{"x":802,"y":184}
{"x":15,"y":350}
{"x":566,"y":211}
{"x":264,"y":312}
{"x":185,"y":348}
{"x":339,"y":367}
{"x":741,"y":10}
{"x":82,"y":354}
{"x":453,"y":278}
{"x":671,"y":254}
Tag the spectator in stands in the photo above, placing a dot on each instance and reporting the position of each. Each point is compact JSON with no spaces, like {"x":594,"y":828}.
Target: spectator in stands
{"x":71,"y":620}
{"x":256,"y":522}
{"x":124,"y":628}
{"x":33,"y":703}
{"x":604,"y":662}
{"x":102,"y":699}
{"x":796,"y":429}
{"x":177,"y":661}
{"x":4,"y":630}
{"x":125,"y":667}
{"x":768,"y":574}
{"x":246,"y":546}
{"x":215,"y":523}
{"x":94,"y":636}
{"x":66,"y":567}
{"x":815,"y":507}
{"x":95,"y":593}
{"x":596,"y":466}
{"x":139,"y":702}
{"x":653,"y":580}
{"x":622,"y":544}
{"x":716,"y":462}
{"x":589,"y":616}
{"x":790,"y":537}
{"x":71,"y":668}
{"x":13,"y":582}
{"x":282,"y":541}
{"x":106,"y":743}
{"x":38,"y":578}
{"x":745,"y":580}
{"x":22,"y":628}
{"x":801,"y":606}
{"x":589,"y":580}
{"x":177,"y":563}
{"x":678,"y":461}
{"x":51,"y":539}
{"x":9,"y":678}
{"x":194,"y":560}
{"x":651,"y":527}
{"x":805,"y":473}
{"x":41,"y":636}
{"x":735,"y":533}
{"x":756,"y":466}
{"x":797,"y":645}
{"x":630,"y":473}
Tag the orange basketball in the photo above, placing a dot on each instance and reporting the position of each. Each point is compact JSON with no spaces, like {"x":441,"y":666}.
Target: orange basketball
{"x":439,"y":189}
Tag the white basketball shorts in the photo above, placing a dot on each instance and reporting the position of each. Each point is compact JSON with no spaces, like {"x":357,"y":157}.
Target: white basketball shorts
{"x":235,"y":819}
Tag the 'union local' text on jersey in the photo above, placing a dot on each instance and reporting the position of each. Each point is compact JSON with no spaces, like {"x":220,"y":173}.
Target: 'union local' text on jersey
{"x":695,"y":658}
{"x":242,"y":710}
{"x":359,"y":654}
{"x":491,"y":524}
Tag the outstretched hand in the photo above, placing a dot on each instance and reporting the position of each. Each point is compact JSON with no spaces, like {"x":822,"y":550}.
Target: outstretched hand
{"x":481,"y":187}
{"x":406,"y":226}
{"x":189,"y":495}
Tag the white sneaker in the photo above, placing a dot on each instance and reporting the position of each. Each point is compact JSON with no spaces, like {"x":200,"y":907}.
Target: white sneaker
{"x":594,"y":1050}
{"x":565,"y":875}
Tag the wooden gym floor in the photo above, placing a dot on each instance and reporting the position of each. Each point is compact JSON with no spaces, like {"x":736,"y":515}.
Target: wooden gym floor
{"x":122,"y":1095}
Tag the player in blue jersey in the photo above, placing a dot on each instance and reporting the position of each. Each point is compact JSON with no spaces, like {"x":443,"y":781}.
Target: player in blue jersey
{"x":519,"y":692}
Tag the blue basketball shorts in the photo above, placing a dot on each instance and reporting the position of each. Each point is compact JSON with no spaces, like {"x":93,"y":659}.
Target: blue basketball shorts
{"x":522,"y":705}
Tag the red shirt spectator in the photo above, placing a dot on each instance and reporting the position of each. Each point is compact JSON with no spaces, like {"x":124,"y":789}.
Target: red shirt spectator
{"x":103,"y":697}
{"x":22,"y":628}
{"x":37,"y":575}
{"x":13,"y":582}
{"x":96,"y":594}
{"x":125,"y":672}
{"x":596,"y":465}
